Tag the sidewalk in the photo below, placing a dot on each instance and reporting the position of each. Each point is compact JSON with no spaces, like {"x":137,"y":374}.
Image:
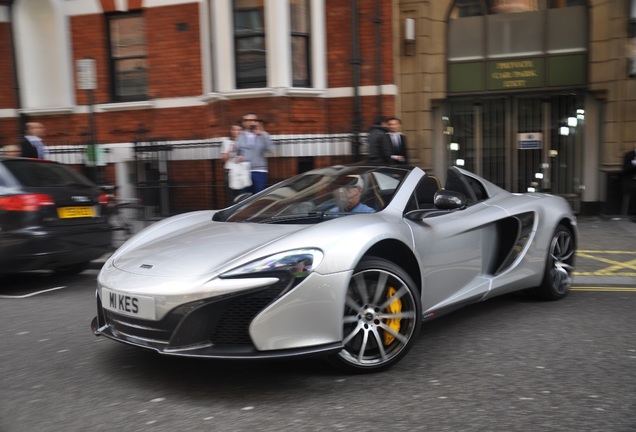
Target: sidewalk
{"x":606,"y":254}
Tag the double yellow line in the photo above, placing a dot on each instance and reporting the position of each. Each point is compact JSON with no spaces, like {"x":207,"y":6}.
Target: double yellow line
{"x":603,"y":289}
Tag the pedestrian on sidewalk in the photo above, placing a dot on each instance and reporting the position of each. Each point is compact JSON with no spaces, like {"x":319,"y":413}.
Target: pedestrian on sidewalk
{"x":254,"y":144}
{"x":399,"y":154}
{"x":629,"y":181}
{"x":379,"y":146}
{"x":32,"y":144}
{"x":229,"y":150}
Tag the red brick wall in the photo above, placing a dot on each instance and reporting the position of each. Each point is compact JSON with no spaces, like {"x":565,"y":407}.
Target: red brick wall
{"x":89,"y":39}
{"x":174,"y":56}
{"x":7,"y":75}
{"x":339,"y":42}
{"x":8,"y":126}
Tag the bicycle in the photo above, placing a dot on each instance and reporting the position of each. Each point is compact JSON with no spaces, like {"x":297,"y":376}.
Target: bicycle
{"x":125,"y":215}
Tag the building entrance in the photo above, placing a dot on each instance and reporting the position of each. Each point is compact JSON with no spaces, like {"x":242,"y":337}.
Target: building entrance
{"x":520,"y":143}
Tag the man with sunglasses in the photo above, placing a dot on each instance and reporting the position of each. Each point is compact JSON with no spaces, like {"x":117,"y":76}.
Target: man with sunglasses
{"x":253,"y":144}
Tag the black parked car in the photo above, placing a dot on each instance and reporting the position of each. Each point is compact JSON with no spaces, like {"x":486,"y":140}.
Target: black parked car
{"x":51,"y":217}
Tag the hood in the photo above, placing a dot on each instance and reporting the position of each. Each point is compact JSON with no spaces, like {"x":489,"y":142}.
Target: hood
{"x":200,"y":250}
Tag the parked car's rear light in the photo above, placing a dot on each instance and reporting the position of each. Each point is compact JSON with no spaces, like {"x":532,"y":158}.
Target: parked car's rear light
{"x":104,"y":199}
{"x":25,"y":202}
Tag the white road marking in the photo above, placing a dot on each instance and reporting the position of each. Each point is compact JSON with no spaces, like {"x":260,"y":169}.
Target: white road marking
{"x":32,"y":294}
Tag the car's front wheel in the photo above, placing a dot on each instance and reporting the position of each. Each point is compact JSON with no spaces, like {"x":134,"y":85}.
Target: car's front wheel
{"x":382,"y":317}
{"x":557,"y":279}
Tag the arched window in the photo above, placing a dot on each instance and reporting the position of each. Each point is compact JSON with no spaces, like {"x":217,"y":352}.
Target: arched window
{"x":470,"y":8}
{"x":501,"y":45}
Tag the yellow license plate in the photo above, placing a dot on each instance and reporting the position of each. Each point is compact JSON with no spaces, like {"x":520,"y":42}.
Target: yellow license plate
{"x":75,"y":212}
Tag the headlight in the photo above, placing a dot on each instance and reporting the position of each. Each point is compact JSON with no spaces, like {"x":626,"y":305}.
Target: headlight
{"x":299,"y":263}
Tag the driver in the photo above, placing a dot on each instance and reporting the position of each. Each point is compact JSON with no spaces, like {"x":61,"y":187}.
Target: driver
{"x":348,"y":197}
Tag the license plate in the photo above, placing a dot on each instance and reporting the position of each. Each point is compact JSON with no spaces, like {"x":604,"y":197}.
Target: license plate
{"x":75,"y":212}
{"x":127,"y":304}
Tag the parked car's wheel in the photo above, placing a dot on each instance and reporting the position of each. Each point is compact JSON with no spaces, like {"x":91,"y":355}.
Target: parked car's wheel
{"x":557,"y":279}
{"x":72,"y":269}
{"x":382,"y":317}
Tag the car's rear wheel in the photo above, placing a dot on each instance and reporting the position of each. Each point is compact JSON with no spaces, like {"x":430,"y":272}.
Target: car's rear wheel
{"x":382,"y":317}
{"x":557,"y":279}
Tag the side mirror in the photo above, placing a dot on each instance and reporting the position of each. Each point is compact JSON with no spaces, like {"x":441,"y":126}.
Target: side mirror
{"x":449,"y":200}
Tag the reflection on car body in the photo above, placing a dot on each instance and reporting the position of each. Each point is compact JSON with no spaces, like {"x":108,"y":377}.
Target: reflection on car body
{"x":278,"y":275}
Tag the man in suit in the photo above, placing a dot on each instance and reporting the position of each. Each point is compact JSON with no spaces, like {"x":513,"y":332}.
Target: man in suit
{"x":31,"y":144}
{"x":397,"y":141}
{"x":629,"y":181}
{"x":379,"y":150}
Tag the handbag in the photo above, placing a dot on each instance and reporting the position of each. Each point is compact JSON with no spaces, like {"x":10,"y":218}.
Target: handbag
{"x":239,"y":176}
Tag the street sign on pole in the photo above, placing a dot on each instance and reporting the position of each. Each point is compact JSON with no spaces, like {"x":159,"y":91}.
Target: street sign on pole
{"x":87,"y":80}
{"x":86,"y":77}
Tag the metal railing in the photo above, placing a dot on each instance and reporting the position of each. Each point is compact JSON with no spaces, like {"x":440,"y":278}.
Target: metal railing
{"x":176,"y":176}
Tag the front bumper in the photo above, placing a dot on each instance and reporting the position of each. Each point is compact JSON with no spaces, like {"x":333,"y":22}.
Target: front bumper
{"x":217,"y":327}
{"x":218,"y":352}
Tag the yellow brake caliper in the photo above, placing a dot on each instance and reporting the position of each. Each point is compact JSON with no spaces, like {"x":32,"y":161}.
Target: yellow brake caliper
{"x":394,"y":307}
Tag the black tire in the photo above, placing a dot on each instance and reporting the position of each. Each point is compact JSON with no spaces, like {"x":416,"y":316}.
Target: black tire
{"x":557,"y":278}
{"x":370,"y":344}
{"x":72,"y":269}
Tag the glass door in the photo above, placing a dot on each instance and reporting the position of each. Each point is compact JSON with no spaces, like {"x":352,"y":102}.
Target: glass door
{"x":521,"y":143}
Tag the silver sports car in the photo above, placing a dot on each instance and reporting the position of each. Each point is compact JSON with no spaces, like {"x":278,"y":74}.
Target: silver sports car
{"x":344,"y":262}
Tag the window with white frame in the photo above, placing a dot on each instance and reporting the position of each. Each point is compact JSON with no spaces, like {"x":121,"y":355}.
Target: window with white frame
{"x":127,"y":37}
{"x":267,"y":46}
{"x":249,"y":43}
{"x":300,"y":21}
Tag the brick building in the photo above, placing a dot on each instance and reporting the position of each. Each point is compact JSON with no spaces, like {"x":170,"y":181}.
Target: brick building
{"x":181,"y":71}
{"x":531,"y":94}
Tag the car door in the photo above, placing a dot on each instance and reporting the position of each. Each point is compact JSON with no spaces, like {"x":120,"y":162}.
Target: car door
{"x":455,"y":250}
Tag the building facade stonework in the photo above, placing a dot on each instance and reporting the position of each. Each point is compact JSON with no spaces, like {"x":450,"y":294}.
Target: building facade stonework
{"x":607,"y":97}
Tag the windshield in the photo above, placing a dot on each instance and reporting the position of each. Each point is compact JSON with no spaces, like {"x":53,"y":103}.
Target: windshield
{"x":322,"y":193}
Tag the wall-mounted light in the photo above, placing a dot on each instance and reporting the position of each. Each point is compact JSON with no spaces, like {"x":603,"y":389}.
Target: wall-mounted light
{"x":564,"y":131}
{"x":409,"y":36}
{"x":572,"y":121}
{"x":580,"y":114}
